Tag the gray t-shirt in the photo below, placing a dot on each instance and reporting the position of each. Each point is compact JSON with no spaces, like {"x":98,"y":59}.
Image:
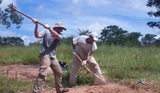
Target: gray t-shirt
{"x":49,"y":43}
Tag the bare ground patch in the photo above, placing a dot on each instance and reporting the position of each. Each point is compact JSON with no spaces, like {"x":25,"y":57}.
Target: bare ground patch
{"x":30,"y":72}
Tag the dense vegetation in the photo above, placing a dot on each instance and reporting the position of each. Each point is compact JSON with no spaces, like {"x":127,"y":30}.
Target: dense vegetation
{"x":110,"y":35}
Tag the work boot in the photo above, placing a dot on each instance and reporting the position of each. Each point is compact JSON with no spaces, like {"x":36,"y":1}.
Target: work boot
{"x":105,"y":83}
{"x":65,"y":90}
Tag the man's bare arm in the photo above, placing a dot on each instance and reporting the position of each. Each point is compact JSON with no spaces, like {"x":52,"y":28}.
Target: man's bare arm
{"x":36,"y":32}
{"x":54,"y":33}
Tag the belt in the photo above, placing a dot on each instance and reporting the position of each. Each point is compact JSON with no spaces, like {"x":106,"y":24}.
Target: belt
{"x":51,"y":58}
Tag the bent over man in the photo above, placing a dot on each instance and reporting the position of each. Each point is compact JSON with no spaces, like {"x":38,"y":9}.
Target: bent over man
{"x":51,"y":38}
{"x":85,"y":48}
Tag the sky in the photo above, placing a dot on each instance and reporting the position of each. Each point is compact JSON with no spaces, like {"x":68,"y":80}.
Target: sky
{"x":94,"y":15}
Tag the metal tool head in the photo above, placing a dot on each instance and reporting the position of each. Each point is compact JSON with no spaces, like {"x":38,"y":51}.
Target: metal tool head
{"x":13,"y":9}
{"x":91,"y":70}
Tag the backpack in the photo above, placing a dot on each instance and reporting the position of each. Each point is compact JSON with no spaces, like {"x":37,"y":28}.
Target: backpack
{"x":63,"y":65}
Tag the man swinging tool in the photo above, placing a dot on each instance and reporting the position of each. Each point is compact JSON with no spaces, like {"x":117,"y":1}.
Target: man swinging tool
{"x":51,"y":38}
{"x":86,"y":46}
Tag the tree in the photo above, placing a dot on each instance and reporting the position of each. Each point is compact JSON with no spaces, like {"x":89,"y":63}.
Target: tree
{"x":0,"y":40}
{"x":156,"y":4}
{"x":157,"y":42}
{"x":84,"y":32}
{"x":7,"y":17}
{"x":113,"y":35}
{"x":67,"y":40}
{"x":132,"y":39}
{"x":11,"y":41}
{"x":148,"y":39}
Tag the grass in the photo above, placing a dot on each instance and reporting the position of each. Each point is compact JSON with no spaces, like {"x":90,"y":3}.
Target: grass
{"x":123,"y":62}
{"x":120,"y":63}
{"x":14,"y":85}
{"x":23,"y":55}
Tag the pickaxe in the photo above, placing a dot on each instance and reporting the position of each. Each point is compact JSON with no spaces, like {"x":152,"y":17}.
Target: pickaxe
{"x":13,"y":9}
{"x":88,"y":71}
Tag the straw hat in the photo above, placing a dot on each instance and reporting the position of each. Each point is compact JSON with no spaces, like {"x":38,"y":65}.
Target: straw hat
{"x":59,"y":24}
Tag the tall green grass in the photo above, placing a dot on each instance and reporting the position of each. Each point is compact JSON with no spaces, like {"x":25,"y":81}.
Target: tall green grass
{"x":23,"y":55}
{"x":116,"y":62}
{"x":129,"y":62}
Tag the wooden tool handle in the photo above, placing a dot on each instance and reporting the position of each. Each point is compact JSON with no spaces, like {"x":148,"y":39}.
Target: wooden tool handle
{"x":81,"y":61}
{"x":24,"y":15}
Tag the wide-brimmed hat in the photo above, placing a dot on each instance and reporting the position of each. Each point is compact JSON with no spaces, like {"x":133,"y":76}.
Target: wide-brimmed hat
{"x":94,"y":35}
{"x":59,"y":24}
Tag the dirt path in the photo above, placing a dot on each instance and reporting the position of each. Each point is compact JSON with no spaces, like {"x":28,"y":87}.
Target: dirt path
{"x":110,"y":88}
{"x":29,"y":73}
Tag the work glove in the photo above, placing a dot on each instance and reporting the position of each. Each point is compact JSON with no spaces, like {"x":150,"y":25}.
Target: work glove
{"x":34,"y":20}
{"x":84,"y":62}
{"x":49,"y":68}
{"x":74,"y":51}
{"x":46,"y":26}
